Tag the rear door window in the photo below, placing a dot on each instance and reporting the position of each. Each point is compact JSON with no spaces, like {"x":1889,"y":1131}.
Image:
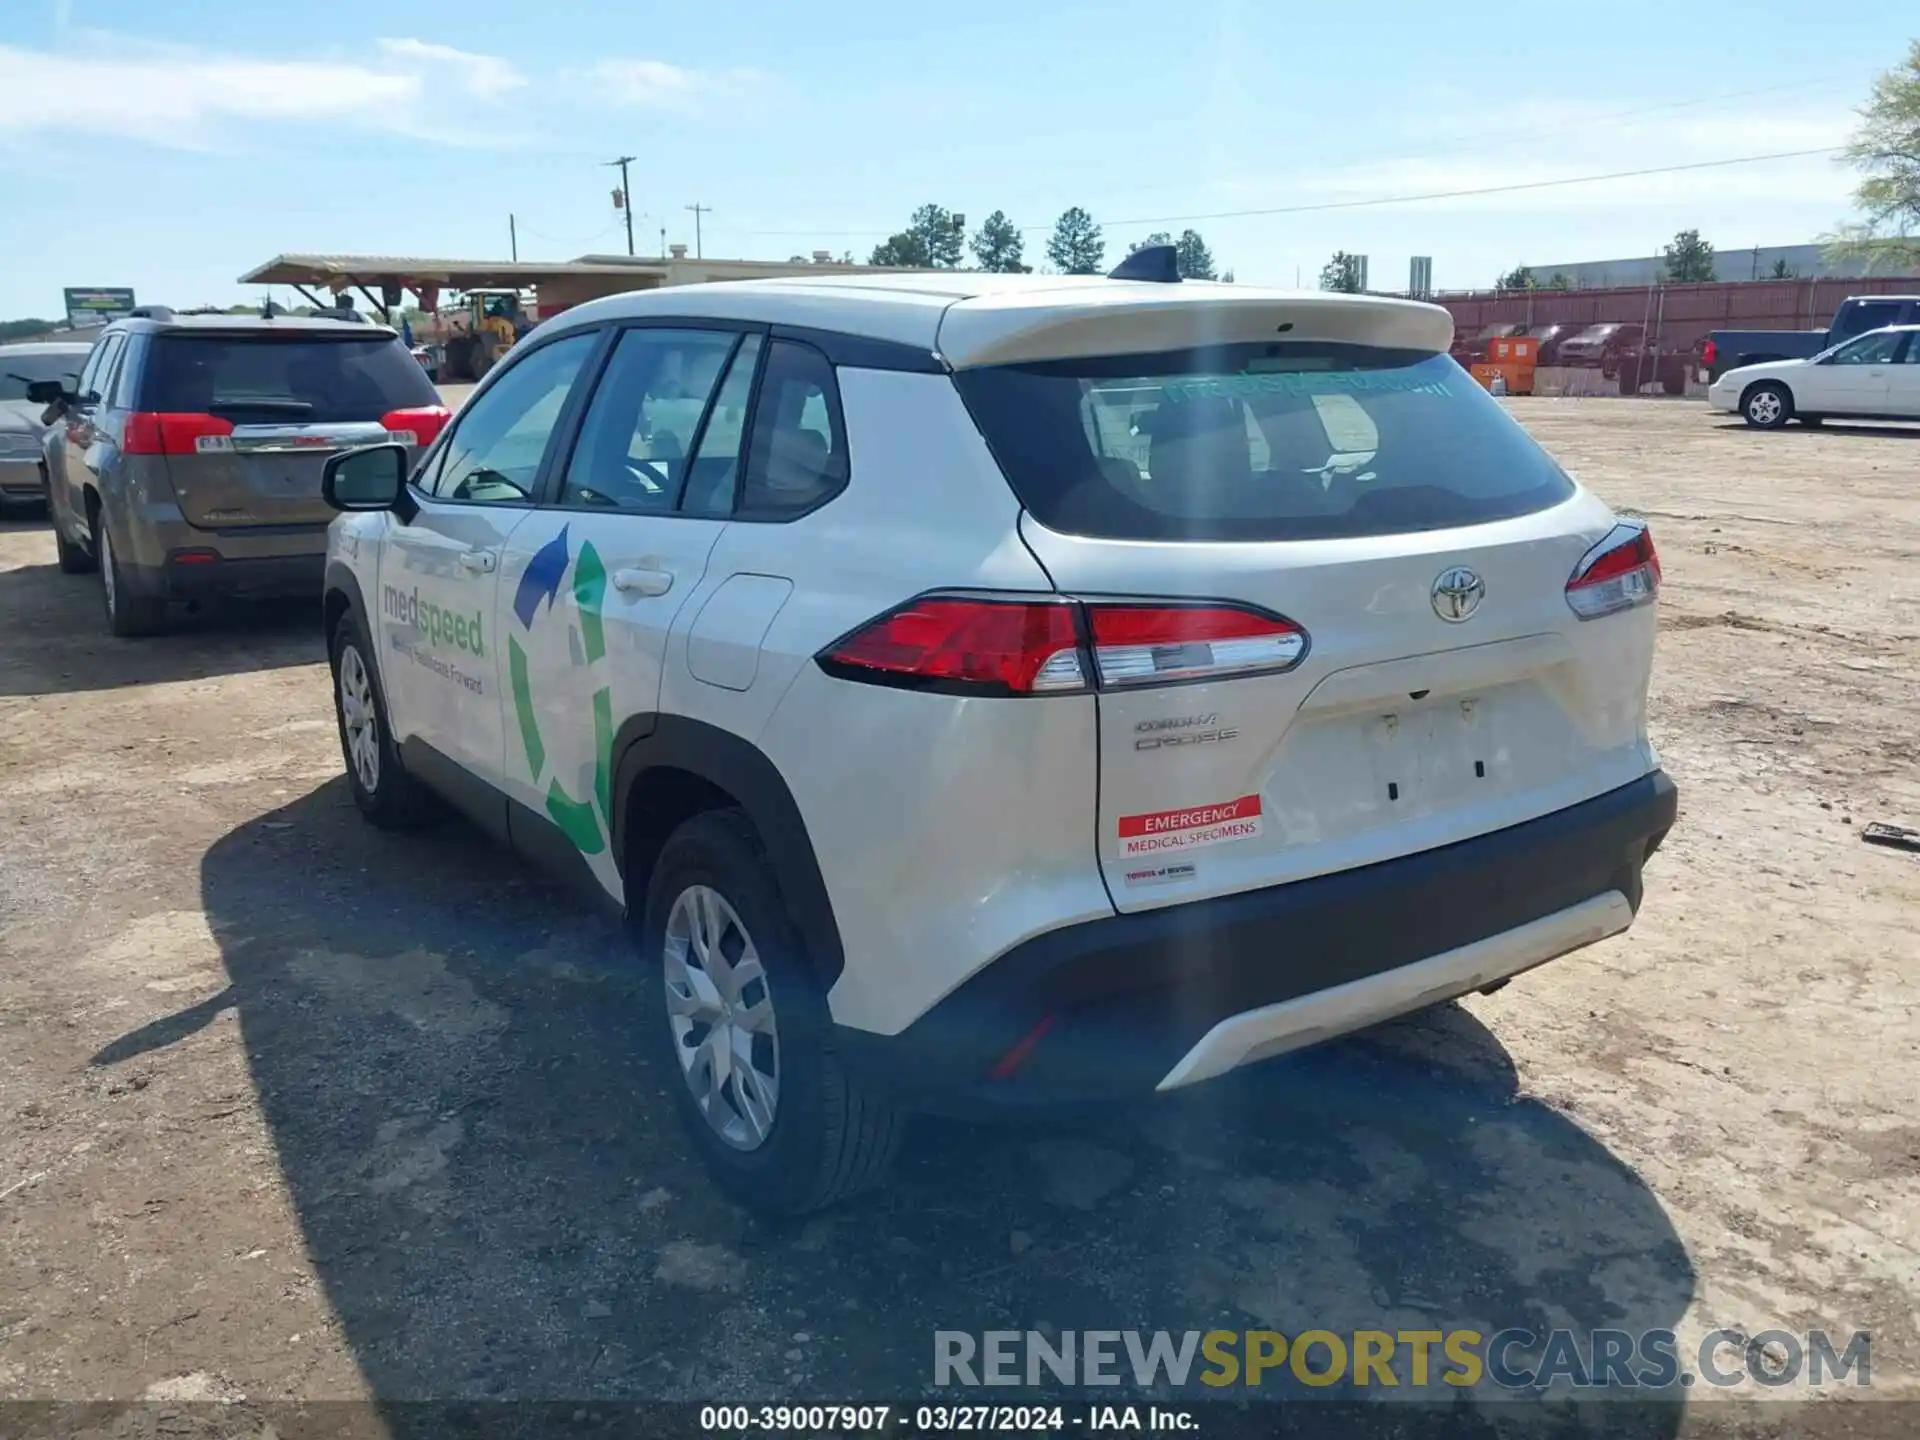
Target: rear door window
{"x":1287,"y":441}
{"x":797,"y":455}
{"x":298,"y":379}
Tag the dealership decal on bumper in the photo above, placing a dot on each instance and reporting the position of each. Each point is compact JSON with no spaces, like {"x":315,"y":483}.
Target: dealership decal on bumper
{"x":1194,"y":827}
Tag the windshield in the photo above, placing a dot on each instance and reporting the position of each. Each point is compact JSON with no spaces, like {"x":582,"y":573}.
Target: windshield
{"x":296,"y":378}
{"x":1262,"y":442}
{"x":17,"y":370}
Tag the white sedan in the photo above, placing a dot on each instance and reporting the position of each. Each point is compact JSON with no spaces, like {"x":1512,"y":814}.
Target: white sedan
{"x":1875,"y":376}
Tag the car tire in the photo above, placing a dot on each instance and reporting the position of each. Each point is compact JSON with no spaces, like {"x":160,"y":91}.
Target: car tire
{"x":129,"y":616}
{"x":1767,"y":406}
{"x":820,"y":1134}
{"x":386,"y":794}
{"x":73,"y":559}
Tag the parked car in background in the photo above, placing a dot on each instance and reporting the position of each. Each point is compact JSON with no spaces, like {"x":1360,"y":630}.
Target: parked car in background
{"x":1550,"y":338}
{"x":1587,"y":348}
{"x":1733,"y":349}
{"x":23,"y":475}
{"x":1875,"y":376}
{"x":829,"y":608}
{"x":185,"y":459}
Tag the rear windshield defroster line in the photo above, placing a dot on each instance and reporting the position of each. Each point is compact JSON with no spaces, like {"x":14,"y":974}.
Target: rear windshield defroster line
{"x":1285,"y":441}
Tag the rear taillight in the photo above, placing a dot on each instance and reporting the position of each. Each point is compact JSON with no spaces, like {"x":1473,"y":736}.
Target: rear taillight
{"x":975,"y":646}
{"x":417,"y":425}
{"x":991,"y":645}
{"x":1145,"y":644}
{"x":1622,"y":571}
{"x":165,"y":432}
{"x":1709,"y":352}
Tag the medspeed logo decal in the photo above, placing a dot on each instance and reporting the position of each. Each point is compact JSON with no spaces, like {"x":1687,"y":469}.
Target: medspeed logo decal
{"x":1163,"y":832}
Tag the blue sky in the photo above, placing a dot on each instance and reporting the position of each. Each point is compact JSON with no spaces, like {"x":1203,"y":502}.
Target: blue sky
{"x":171,"y":145}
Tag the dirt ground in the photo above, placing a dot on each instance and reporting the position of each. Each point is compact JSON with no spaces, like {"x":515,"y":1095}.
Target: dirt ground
{"x":291,"y":1109}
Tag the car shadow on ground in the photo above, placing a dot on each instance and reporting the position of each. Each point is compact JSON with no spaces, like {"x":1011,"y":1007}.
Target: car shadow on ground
{"x":1891,"y":430}
{"x":58,"y":642}
{"x":497,"y":1200}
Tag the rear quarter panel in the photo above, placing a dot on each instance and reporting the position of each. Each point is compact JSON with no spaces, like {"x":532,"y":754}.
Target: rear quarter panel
{"x":947,"y":829}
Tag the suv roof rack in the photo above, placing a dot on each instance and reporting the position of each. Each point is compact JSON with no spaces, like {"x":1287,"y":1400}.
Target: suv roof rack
{"x":150,"y":312}
{"x":1159,"y":264}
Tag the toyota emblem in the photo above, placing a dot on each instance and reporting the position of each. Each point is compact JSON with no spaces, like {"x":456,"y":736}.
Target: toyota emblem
{"x":1457,"y":593}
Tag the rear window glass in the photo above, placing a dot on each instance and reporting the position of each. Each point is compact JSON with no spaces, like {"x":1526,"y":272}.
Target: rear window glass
{"x":302,"y":380}
{"x":1285,"y":441}
{"x":19,"y":367}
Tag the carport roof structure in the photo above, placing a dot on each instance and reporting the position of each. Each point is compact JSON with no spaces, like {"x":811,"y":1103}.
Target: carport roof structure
{"x":337,"y":272}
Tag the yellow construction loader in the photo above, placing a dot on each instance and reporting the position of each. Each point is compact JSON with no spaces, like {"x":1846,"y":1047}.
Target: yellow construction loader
{"x":488,"y":324}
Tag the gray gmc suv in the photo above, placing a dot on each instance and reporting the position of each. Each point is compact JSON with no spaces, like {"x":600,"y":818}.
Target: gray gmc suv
{"x":185,"y":461}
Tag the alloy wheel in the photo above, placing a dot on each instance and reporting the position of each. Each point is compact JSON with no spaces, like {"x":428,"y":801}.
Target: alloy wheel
{"x":721,"y":1014}
{"x":360,"y":719}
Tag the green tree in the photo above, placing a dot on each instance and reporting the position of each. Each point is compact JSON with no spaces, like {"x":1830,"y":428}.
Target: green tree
{"x":943,"y":234}
{"x":934,"y":239}
{"x":1196,"y":260}
{"x":19,"y":329}
{"x":904,"y":248}
{"x":1886,"y":150}
{"x":1558,"y":281}
{"x":1688,"y":260}
{"x":1342,"y":272}
{"x":1075,"y":247}
{"x":997,"y":245}
{"x":1783,"y":271}
{"x":1518,"y":278}
{"x":1158,"y":237}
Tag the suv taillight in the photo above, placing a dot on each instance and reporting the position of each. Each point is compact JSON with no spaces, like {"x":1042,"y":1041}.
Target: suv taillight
{"x":1709,"y":352}
{"x":162,"y":432}
{"x":1144,"y":644}
{"x":993,"y":645}
{"x":1622,"y":571}
{"x":417,"y":425}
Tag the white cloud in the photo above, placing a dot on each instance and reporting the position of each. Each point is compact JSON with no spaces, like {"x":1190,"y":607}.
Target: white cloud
{"x":194,"y":99}
{"x":654,"y":84}
{"x":483,"y":74}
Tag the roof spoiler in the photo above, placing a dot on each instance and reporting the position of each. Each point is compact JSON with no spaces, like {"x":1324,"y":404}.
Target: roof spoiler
{"x":1158,"y":264}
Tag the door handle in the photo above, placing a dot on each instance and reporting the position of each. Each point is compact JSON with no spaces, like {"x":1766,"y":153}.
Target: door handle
{"x":643,"y":581}
{"x":479,"y":561}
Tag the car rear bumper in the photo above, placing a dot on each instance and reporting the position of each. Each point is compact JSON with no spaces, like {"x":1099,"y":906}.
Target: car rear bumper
{"x":201,"y":571}
{"x":21,"y":480}
{"x":1130,"y":1004}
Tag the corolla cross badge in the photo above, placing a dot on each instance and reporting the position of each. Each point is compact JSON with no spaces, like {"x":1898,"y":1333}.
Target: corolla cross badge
{"x":1457,"y":593}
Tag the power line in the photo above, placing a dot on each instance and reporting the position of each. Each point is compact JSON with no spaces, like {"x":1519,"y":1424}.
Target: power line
{"x":1462,"y":194}
{"x":1376,"y":200}
{"x":699,"y":252}
{"x":1586,"y":122}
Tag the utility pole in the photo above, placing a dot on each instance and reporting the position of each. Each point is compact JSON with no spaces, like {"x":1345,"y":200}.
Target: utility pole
{"x":513,"y":237}
{"x":626,"y":194}
{"x":698,"y":211}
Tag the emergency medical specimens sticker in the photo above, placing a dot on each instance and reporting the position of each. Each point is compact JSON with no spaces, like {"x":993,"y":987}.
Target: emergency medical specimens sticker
{"x":1169,"y":832}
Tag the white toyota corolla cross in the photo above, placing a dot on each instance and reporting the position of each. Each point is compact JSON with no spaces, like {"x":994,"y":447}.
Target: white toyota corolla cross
{"x":989,"y":690}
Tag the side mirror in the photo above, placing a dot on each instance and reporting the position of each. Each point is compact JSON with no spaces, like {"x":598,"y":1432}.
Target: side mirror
{"x":48,"y":392}
{"x":372,"y":478}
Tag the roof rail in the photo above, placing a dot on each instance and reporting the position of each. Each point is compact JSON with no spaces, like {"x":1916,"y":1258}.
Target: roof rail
{"x":150,"y":312}
{"x":1159,"y":264}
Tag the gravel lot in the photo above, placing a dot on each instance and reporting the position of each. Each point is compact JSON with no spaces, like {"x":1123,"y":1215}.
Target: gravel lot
{"x":290,"y":1109}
